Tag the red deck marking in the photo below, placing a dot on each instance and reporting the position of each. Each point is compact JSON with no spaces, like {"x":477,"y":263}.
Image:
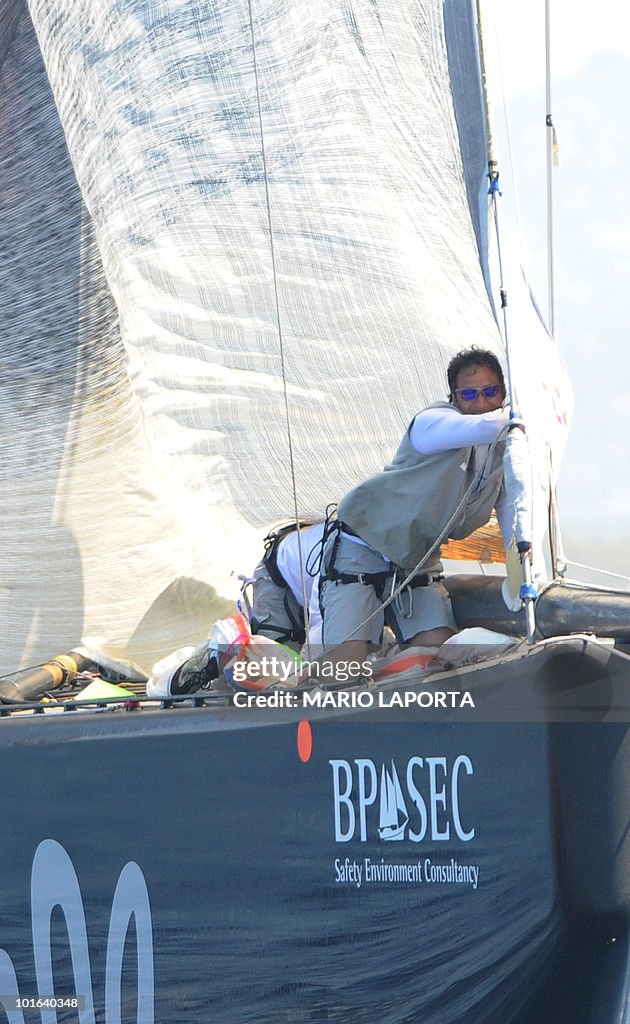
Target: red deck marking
{"x":304,"y":741}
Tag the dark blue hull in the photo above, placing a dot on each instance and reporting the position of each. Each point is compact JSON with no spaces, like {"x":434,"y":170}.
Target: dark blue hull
{"x":189,"y":862}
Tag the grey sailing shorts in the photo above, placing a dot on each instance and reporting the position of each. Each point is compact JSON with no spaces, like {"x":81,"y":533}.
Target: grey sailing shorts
{"x":347,"y":606}
{"x":274,"y":606}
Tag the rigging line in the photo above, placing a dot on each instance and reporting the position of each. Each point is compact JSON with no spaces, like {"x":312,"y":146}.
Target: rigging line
{"x":551,"y":150}
{"x":493,"y":177}
{"x":527,"y":590}
{"x":558,"y":559}
{"x":555,"y":541}
{"x":593,"y":568}
{"x":556,"y":548}
{"x":436,"y":544}
{"x":494,"y":189}
{"x":287,"y":413}
{"x":510,"y":148}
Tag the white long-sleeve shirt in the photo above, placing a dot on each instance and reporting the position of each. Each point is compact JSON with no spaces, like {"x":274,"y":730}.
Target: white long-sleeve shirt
{"x":288,"y":562}
{"x":439,"y":430}
{"x":445,"y":428}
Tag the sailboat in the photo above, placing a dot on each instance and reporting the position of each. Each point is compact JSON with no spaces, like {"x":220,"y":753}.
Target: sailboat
{"x":242,"y":241}
{"x":394,"y":815}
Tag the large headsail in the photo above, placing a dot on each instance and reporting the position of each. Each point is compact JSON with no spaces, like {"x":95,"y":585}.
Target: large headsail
{"x":205,"y":204}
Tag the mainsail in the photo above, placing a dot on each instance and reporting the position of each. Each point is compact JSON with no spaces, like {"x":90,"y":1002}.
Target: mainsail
{"x":222,"y":224}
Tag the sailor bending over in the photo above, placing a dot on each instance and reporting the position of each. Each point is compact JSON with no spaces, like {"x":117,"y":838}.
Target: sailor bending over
{"x":277,"y":604}
{"x":447,"y":470}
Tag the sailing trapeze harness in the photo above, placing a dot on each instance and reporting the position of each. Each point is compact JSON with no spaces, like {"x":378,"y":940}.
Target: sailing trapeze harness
{"x":297,"y":633}
{"x":270,"y":558}
{"x":377,"y":580}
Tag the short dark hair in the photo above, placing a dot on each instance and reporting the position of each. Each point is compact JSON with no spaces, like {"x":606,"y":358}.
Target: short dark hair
{"x":474,"y":357}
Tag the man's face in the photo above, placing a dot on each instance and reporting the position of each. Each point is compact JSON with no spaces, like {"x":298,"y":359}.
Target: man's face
{"x":477,"y":377}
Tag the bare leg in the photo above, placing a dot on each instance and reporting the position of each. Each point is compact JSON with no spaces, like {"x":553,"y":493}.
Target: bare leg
{"x":430,"y":637}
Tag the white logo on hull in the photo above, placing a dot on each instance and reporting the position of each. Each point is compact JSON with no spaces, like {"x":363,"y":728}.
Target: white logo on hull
{"x":394,"y":817}
{"x":54,"y":883}
{"x":423,"y":801}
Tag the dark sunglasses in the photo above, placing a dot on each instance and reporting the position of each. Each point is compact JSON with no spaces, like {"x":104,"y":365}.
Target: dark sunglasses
{"x":469,"y":394}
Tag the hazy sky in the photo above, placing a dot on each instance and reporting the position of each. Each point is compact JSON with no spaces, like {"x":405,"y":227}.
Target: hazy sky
{"x":577,"y":33}
{"x":590,"y":64}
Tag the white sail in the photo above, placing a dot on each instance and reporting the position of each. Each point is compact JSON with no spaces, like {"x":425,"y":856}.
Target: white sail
{"x":205,"y":203}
